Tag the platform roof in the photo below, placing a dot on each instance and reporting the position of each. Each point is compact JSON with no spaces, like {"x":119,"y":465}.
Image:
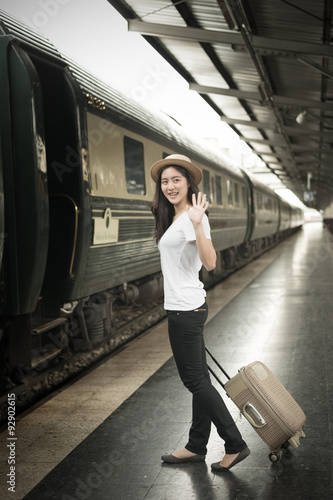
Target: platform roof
{"x":265,"y":66}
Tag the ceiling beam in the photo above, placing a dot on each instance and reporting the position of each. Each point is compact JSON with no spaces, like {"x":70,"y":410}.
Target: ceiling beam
{"x":269,"y":142}
{"x":277,"y":99}
{"x":248,"y":123}
{"x":314,"y":161}
{"x":302,"y":103}
{"x":278,"y":143}
{"x":184,"y":33}
{"x":290,"y":130}
{"x":299,"y":130}
{"x":318,"y":67}
{"x":304,"y":149}
{"x":303,"y":162}
{"x":272,"y":154}
{"x":240,"y":94}
{"x":229,"y":38}
{"x":277,"y":45}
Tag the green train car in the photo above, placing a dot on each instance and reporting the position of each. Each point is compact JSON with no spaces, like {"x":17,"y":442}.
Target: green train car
{"x":76,"y":226}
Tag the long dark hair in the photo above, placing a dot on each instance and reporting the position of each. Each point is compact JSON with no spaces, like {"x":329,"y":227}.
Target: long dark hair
{"x":161,"y":207}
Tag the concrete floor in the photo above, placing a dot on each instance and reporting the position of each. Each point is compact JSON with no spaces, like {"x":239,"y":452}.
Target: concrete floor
{"x":103,"y":437}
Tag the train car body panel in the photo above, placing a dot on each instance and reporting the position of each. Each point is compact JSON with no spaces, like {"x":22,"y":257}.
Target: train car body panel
{"x":122,"y":244}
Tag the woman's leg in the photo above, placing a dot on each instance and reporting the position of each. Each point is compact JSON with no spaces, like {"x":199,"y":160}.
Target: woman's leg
{"x":200,"y":429}
{"x":186,"y":338}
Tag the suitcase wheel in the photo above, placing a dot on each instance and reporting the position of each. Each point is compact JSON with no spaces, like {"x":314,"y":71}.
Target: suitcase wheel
{"x":274,"y":457}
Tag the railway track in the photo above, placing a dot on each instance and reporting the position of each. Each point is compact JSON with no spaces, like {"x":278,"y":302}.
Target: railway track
{"x":32,"y":387}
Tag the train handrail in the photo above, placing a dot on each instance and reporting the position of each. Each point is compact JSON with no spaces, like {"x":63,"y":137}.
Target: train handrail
{"x":76,"y":224}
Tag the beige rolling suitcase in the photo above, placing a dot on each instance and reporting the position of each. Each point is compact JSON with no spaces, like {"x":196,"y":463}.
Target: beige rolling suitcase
{"x":267,"y":405}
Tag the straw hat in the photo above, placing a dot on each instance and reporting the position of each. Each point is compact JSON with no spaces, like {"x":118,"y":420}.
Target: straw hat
{"x":176,"y":160}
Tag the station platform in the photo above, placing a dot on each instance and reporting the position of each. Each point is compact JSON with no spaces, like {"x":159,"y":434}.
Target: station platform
{"x":102,"y":437}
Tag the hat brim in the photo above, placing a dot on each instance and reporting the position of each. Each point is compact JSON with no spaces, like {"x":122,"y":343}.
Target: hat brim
{"x":171,"y":162}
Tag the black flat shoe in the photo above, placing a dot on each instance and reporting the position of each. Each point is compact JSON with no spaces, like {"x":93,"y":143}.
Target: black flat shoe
{"x":216,"y":467}
{"x":171,"y":459}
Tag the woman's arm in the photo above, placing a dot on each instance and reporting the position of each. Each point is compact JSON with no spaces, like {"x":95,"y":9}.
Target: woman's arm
{"x":205,"y":247}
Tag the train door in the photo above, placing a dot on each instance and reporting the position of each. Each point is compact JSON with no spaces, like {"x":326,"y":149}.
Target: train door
{"x":65,"y":181}
{"x":25,"y":182}
{"x":2,"y":209}
{"x":250,"y":207}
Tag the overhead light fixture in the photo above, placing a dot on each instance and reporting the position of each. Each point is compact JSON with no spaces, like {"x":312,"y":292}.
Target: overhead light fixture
{"x":300,"y":118}
{"x":308,"y":183}
{"x":304,"y":116}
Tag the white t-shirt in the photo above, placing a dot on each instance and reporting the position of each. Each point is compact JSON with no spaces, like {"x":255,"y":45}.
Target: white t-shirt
{"x":180,"y":262}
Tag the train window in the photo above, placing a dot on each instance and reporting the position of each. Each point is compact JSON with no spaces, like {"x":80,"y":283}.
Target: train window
{"x":236,"y":195}
{"x":229,"y":191}
{"x":218,"y":189}
{"x":259,"y":201}
{"x":206,"y":184}
{"x":267,"y":203}
{"x":244,"y":197}
{"x":134,"y":166}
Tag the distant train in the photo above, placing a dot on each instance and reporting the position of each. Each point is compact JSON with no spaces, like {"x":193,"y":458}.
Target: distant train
{"x":75,"y":192}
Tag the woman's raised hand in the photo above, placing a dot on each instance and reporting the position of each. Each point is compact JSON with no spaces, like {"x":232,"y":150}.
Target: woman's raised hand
{"x":199,"y":207}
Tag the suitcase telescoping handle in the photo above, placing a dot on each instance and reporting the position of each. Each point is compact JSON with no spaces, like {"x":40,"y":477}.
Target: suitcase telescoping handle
{"x":218,"y":364}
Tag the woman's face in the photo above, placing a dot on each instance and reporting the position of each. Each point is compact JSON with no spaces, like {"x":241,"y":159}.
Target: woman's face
{"x":174,"y":187}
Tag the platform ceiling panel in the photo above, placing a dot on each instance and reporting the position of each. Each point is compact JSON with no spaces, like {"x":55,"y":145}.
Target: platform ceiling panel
{"x":260,"y":65}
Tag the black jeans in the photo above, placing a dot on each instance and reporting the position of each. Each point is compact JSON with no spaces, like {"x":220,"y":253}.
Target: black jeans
{"x":188,"y":347}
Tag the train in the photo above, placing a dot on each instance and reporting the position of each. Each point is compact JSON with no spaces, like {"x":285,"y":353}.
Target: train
{"x":77,"y":233}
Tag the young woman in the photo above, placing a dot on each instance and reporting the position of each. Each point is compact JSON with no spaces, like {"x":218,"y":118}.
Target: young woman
{"x":183,"y":237}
